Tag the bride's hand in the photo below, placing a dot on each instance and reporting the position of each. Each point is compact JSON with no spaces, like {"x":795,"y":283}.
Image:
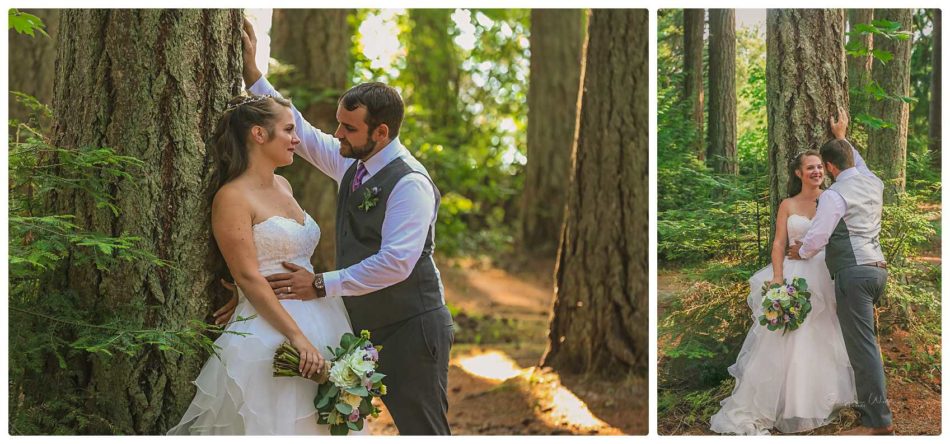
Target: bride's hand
{"x":311,"y":361}
{"x":776,"y":280}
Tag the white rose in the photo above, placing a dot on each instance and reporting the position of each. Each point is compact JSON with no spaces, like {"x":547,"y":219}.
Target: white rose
{"x":342,"y":376}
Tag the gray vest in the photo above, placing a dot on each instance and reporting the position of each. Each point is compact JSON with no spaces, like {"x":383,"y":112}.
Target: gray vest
{"x":359,"y":236}
{"x":854,"y":240}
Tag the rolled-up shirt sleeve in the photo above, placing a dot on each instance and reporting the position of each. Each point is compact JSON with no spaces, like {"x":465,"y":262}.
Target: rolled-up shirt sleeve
{"x":410,"y":212}
{"x":831,"y":207}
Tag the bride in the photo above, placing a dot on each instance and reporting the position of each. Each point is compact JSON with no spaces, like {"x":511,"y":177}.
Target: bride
{"x":797,"y":381}
{"x":257,"y":225}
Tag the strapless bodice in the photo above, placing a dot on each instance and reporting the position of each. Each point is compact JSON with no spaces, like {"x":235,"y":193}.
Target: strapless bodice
{"x":279,"y":239}
{"x":797,"y":226}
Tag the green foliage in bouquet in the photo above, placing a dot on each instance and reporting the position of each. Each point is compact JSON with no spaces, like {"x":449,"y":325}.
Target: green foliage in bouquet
{"x":348,"y":399}
{"x":785,"y":305}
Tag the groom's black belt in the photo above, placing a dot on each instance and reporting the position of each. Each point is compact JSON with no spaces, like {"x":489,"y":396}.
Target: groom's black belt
{"x":879,"y":264}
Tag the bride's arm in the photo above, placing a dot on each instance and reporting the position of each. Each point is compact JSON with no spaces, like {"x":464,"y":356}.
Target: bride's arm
{"x":780,"y":242}
{"x":231,"y":222}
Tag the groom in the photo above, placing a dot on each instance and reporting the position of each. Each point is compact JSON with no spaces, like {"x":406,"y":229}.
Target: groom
{"x":848,"y":222}
{"x":386,"y":211}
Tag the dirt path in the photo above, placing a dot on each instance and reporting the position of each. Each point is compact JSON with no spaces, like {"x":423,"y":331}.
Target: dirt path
{"x":916,"y":406}
{"x":495,"y":386}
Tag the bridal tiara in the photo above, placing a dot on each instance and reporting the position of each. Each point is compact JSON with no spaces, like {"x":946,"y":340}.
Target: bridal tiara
{"x":248,"y":99}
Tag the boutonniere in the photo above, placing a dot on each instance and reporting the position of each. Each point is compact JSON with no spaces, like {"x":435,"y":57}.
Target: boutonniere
{"x":370,"y":199}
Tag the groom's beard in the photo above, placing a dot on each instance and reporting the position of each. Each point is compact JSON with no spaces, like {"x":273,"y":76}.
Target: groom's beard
{"x":353,"y":152}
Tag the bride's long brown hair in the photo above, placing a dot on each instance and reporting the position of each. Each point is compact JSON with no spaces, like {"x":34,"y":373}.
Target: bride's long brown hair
{"x":794,"y":182}
{"x":229,"y":152}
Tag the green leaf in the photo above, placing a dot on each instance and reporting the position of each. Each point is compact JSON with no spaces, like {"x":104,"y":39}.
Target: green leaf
{"x":882,"y":55}
{"x":339,"y":430}
{"x":358,"y":391}
{"x":344,"y":408}
{"x":376,"y":377}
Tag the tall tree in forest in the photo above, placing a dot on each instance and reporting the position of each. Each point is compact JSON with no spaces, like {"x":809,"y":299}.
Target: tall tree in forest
{"x":149,"y":83}
{"x":694,"y":22}
{"x":859,"y":67}
{"x":33,"y":62}
{"x":935,"y":91}
{"x":557,"y":45}
{"x":432,"y":70}
{"x":721,"y":151}
{"x":806,"y":82}
{"x":601,"y":302}
{"x":887,"y":146}
{"x":315,"y":45}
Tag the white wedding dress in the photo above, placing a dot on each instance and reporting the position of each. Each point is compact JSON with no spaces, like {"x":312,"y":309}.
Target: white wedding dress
{"x":238,"y":394}
{"x":798,"y":381}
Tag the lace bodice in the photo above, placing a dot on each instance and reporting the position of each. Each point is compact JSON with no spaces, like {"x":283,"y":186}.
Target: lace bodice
{"x":797,"y":226}
{"x":280,"y":239}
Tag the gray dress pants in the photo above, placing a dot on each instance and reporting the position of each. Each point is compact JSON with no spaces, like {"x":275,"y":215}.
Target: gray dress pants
{"x":857,"y":289}
{"x":415,"y":360}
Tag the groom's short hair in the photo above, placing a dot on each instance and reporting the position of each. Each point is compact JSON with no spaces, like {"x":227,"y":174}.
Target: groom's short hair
{"x":382,"y":102}
{"x":838,"y":153}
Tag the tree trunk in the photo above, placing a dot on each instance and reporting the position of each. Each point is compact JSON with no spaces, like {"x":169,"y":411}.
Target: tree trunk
{"x":887,"y":147}
{"x":33,"y":62}
{"x":859,"y":68}
{"x":601,"y":310}
{"x":806,"y":82}
{"x":316,"y":43}
{"x":935,"y":91}
{"x":557,"y":40}
{"x":432,"y":68}
{"x":694,"y":21}
{"x":721,"y":152}
{"x":150,"y":84}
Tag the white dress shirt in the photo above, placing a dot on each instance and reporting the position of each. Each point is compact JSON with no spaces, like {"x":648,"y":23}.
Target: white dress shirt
{"x":831,"y":208}
{"x":410,"y":210}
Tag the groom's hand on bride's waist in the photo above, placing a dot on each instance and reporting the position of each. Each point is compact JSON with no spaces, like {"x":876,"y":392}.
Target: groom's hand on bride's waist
{"x":298,"y":284}
{"x":792,"y":252}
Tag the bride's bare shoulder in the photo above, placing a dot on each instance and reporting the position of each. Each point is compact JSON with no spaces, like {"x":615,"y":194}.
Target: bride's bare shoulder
{"x":231,"y":198}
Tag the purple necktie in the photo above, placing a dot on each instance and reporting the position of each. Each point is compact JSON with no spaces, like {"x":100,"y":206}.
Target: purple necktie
{"x":360,"y":175}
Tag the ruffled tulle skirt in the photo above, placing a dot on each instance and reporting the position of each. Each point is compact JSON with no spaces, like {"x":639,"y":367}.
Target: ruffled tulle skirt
{"x":237,"y":393}
{"x":796,"y":382}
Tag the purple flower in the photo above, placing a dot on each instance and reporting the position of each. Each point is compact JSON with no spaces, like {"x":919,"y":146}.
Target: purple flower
{"x":790,"y":289}
{"x":371,"y":354}
{"x":773,"y":321}
{"x":354,"y":415}
{"x":775,"y":304}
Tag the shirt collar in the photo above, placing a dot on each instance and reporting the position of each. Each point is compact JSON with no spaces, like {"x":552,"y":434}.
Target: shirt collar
{"x":846,"y":174}
{"x":384,"y":156}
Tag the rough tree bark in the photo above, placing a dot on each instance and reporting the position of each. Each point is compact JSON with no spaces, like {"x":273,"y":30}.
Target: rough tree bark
{"x":33,"y":62}
{"x":317,"y":43}
{"x":694,"y":21}
{"x":887,"y":147}
{"x":721,"y":152}
{"x":150,"y":84}
{"x":557,"y":44}
{"x":806,"y":82}
{"x":859,"y":68}
{"x":935,"y":91}
{"x":601,"y":305}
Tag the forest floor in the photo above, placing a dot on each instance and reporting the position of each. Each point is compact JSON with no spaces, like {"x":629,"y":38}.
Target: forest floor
{"x":915,"y":404}
{"x":495,"y":384}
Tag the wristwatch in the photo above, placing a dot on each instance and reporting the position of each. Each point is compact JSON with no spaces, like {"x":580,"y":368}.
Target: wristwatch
{"x":319,"y":285}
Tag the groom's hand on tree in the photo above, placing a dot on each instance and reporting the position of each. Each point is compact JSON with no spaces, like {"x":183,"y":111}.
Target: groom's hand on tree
{"x":839,"y":124}
{"x":793,"y":251}
{"x":298,"y":284}
{"x":249,"y":42}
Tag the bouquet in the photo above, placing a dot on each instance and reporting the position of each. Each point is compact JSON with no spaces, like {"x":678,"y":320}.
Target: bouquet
{"x":347,"y":400}
{"x":785,"y":305}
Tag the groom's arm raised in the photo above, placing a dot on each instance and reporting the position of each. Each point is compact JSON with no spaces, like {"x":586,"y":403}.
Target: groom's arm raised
{"x":320,"y":149}
{"x":839,"y":129}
